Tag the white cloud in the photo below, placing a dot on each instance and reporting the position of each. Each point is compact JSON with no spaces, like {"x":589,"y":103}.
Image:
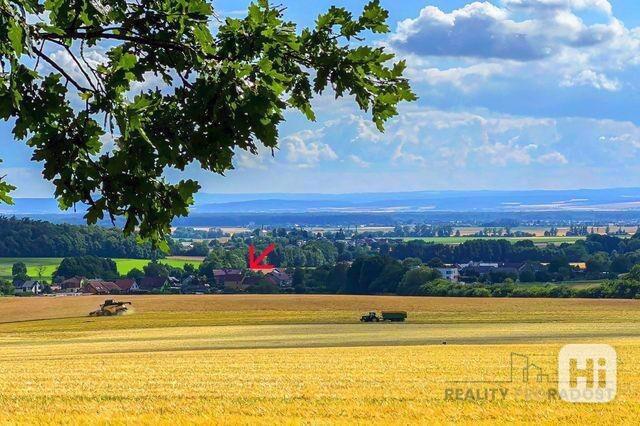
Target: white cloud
{"x":465,"y":78}
{"x":28,"y":181}
{"x":553,"y":158}
{"x":483,"y":30}
{"x":96,"y":56}
{"x":592,"y":78}
{"x":93,"y":56}
{"x":629,"y":139}
{"x":108,"y":141}
{"x":470,"y":140}
{"x":246,"y":160}
{"x":507,"y":123}
{"x":502,"y":154}
{"x":401,"y":156}
{"x":262,"y":161}
{"x":367,"y":130}
{"x":552,"y":5}
{"x":359,"y":161}
{"x":150,"y":81}
{"x":537,"y":39}
{"x":304,"y":150}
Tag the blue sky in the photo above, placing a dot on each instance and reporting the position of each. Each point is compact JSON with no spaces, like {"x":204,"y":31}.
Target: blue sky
{"x":514,"y":94}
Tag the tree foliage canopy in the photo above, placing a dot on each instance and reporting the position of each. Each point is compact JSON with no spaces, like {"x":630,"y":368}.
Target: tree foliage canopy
{"x":71,"y":77}
{"x":30,"y":238}
{"x":89,"y":267}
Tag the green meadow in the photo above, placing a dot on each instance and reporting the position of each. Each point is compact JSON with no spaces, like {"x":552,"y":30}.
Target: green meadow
{"x":460,"y":240}
{"x":45,"y":267}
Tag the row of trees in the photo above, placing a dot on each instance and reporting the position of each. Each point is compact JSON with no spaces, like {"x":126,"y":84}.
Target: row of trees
{"x":424,"y":230}
{"x":105,"y":268}
{"x":366,"y":275}
{"x":198,"y":234}
{"x":522,"y":251}
{"x":31,"y":238}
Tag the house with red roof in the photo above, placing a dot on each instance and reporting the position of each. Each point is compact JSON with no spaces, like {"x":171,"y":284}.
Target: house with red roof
{"x":127,"y":285}
{"x":100,"y":287}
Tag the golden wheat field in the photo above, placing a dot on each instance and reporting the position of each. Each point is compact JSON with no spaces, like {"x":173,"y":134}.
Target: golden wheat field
{"x":302,"y":360}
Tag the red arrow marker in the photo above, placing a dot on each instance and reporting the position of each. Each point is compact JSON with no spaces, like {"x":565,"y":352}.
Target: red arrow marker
{"x":257,"y":263}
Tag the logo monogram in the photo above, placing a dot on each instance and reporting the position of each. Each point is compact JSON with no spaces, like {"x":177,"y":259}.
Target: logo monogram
{"x":587,"y":373}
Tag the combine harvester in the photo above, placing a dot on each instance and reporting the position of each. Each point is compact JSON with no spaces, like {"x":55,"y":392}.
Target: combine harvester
{"x":391,"y":316}
{"x":110,"y":308}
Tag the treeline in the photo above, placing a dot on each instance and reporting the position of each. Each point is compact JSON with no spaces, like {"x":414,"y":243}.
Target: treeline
{"x":97,"y":267}
{"x":383,"y":275}
{"x":621,"y":253}
{"x":198,"y":234}
{"x":425,"y":230}
{"x":614,"y":289}
{"x":366,"y":275}
{"x":89,"y":267}
{"x":31,"y":238}
{"x":294,"y":248}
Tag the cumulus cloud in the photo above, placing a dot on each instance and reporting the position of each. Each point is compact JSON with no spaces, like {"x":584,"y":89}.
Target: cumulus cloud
{"x":555,"y":5}
{"x":247,"y":160}
{"x":552,"y":158}
{"x":591,"y":78}
{"x":630,"y":137}
{"x":28,"y":180}
{"x":366,"y":130}
{"x":464,"y":78}
{"x":468,"y":140}
{"x":304,"y":150}
{"x":359,"y":161}
{"x":401,"y":156}
{"x":93,"y":56}
{"x":483,"y":30}
{"x":108,"y":141}
{"x":507,"y":153}
{"x":542,"y":39}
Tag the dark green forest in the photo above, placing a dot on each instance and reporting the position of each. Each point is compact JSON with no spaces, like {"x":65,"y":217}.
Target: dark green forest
{"x":31,"y":238}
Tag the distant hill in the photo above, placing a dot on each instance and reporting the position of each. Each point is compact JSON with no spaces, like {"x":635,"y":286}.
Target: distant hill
{"x":612,"y":199}
{"x":36,"y":206}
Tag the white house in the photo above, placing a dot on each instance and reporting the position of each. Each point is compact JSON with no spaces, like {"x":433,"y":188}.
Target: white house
{"x":450,"y":274}
{"x":30,"y":286}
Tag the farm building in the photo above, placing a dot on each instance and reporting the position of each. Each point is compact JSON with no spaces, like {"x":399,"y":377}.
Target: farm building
{"x":73,"y":284}
{"x":127,"y":285}
{"x":100,"y":287}
{"x":483,"y":268}
{"x":240,"y":282}
{"x":152,"y":283}
{"x":230,"y":278}
{"x":156,"y":283}
{"x":281,"y":278}
{"x":29,"y":286}
{"x":193,"y":284}
{"x":450,"y":274}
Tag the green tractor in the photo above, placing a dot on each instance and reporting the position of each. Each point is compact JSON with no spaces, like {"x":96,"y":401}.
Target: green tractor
{"x":391,"y":316}
{"x":370,"y":317}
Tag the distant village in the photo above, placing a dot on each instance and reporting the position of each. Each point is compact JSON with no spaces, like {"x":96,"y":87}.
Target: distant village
{"x":333,"y":262}
{"x":242,"y":280}
{"x":226,"y":281}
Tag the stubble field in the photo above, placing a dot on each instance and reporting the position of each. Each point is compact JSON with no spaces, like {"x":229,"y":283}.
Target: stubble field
{"x":301,"y":359}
